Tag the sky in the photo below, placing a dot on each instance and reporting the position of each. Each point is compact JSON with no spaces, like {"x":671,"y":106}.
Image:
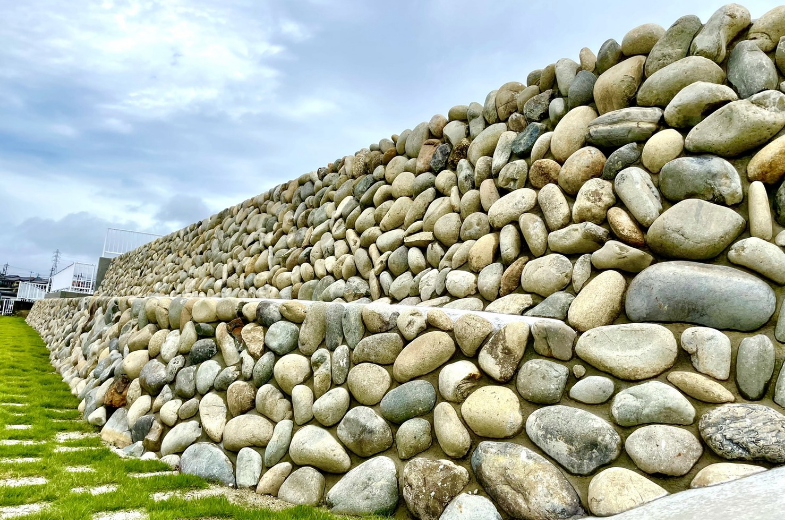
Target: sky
{"x":149,"y":115}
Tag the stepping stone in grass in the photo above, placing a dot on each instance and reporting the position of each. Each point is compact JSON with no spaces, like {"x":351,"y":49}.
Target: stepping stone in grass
{"x":16,"y":442}
{"x":74,"y":436}
{"x":25,"y":481}
{"x":13,"y":404}
{"x":18,"y":426}
{"x":70,"y":449}
{"x":100,"y":490}
{"x":121,"y":515}
{"x":23,"y":510}
{"x":152,"y":474}
{"x":79,"y":469}
{"x":21,"y":460}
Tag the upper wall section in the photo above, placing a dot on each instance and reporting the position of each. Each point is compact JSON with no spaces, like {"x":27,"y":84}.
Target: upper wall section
{"x":664,"y":147}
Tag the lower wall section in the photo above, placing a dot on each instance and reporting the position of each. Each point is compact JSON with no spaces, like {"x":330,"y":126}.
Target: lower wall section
{"x":377,"y":408}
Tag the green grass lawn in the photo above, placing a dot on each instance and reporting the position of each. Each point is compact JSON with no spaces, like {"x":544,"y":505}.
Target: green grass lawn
{"x":26,"y":377}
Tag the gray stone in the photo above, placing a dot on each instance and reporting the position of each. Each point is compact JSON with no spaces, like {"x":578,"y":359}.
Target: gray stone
{"x":754,"y":366}
{"x":382,"y":348}
{"x":665,"y":450}
{"x":578,"y":440}
{"x":608,"y":55}
{"x":581,"y":89}
{"x":651,"y":402}
{"x":541,"y":381}
{"x":660,"y":88}
{"x":761,"y":256}
{"x":330,"y":408}
{"x":739,"y":126}
{"x":493,"y":411}
{"x":185,"y":382}
{"x":615,"y":490}
{"x":304,"y":487}
{"x":470,"y":507}
{"x":553,"y":339}
{"x":457,"y":380}
{"x":249,"y":468}
{"x":208,"y":461}
{"x":745,"y":432}
{"x":711,"y":295}
{"x":500,"y":355}
{"x":364,"y":432}
{"x":352,"y":325}
{"x":453,"y":437}
{"x":546,"y":275}
{"x":153,"y":377}
{"x":705,"y":177}
{"x":413,"y":437}
{"x":620,"y":159}
{"x":279,"y":443}
{"x":267,"y":313}
{"x":522,"y":145}
{"x":282,"y":337}
{"x":592,"y":390}
{"x":585,"y":237}
{"x":631,"y":351}
{"x":623,"y":126}
{"x":370,"y":488}
{"x":554,"y":306}
{"x":263,"y":369}
{"x":429,"y":485}
{"x":709,"y":349}
{"x":637,"y":191}
{"x":202,"y":350}
{"x":695,"y":102}
{"x":408,"y":400}
{"x":695,"y":230}
{"x":750,"y":70}
{"x":674,"y":45}
{"x":271,"y":403}
{"x":524,"y":484}
{"x":719,"y":31}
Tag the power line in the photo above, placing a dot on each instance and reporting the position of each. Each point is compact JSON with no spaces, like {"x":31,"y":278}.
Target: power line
{"x":55,"y":259}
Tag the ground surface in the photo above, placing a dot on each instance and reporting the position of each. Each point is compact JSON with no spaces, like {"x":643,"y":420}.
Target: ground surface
{"x":54,"y":466}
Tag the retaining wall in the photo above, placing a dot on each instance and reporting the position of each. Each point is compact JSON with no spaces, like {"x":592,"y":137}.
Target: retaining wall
{"x":591,"y":262}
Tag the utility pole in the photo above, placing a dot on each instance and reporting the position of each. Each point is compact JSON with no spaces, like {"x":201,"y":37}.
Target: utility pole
{"x":55,"y":260}
{"x":5,"y":269}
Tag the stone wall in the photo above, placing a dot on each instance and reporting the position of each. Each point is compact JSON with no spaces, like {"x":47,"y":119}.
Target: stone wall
{"x":591,"y":262}
{"x":377,"y":408}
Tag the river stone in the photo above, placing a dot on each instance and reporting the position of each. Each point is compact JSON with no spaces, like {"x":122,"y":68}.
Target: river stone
{"x":485,"y":143}
{"x":546,"y":275}
{"x":592,"y":390}
{"x":534,"y":232}
{"x":745,"y":432}
{"x":695,"y":102}
{"x":429,"y":485}
{"x":641,"y":39}
{"x":599,"y":302}
{"x":616,"y":87}
{"x":302,"y":404}
{"x":470,"y":331}
{"x":380,"y":348}
{"x":212,"y":415}
{"x":615,"y":490}
{"x":617,"y":255}
{"x":330,"y":408}
{"x":761,"y":256}
{"x":705,"y":177}
{"x":423,"y":355}
{"x":247,"y":431}
{"x":249,"y":468}
{"x":700,"y":387}
{"x":180,"y":437}
{"x":453,"y":437}
{"x":578,"y":440}
{"x":570,"y":134}
{"x":523,"y":143}
{"x":637,"y":191}
{"x":457,"y":380}
{"x":750,"y":70}
{"x":364,"y":432}
{"x":754,"y":366}
{"x":368,"y":383}
{"x":268,"y":313}
{"x":511,"y":206}
{"x":710,"y":351}
{"x":719,"y":31}
{"x":470,"y":507}
{"x":185,"y":382}
{"x":581,"y":89}
{"x":739,"y":126}
{"x":623,"y":126}
{"x":493,"y":411}
{"x":279,"y":443}
{"x":263,"y":369}
{"x":273,"y":478}
{"x":553,"y":339}
{"x":593,"y":200}
{"x":413,"y":437}
{"x":208,"y":461}
{"x":271,"y":403}
{"x":304,"y":487}
{"x":153,"y":377}
{"x":554,"y":306}
{"x":711,"y":295}
{"x":500,"y":355}
{"x":620,"y":159}
{"x":665,"y":450}
{"x":290,"y":371}
{"x":674,"y":44}
{"x":585,"y":237}
{"x":660,"y":88}
{"x":408,"y":400}
{"x":651,"y":402}
{"x":608,"y":55}
{"x":721,"y":472}
{"x":631,"y":351}
{"x":282,"y":337}
{"x":581,"y":166}
{"x":370,"y":488}
{"x":768,"y":165}
{"x":541,"y":381}
{"x":694,"y":229}
{"x":523,"y":483}
{"x":313,"y":446}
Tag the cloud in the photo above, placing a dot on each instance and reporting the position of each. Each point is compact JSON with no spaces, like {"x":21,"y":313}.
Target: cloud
{"x":181,"y":210}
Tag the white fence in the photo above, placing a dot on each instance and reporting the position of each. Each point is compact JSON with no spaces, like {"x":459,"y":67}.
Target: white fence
{"x":31,"y":291}
{"x":77,"y":277}
{"x":7,"y":306}
{"x":119,"y":241}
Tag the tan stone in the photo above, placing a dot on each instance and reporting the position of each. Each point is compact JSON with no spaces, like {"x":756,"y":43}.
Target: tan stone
{"x":570,"y":134}
{"x":662,"y":148}
{"x":768,"y":165}
{"x":625,"y":227}
{"x":616,"y":490}
{"x":544,"y":171}
{"x":584,"y":164}
{"x":700,"y":387}
{"x":616,"y":87}
{"x":423,"y":355}
{"x":598,"y":303}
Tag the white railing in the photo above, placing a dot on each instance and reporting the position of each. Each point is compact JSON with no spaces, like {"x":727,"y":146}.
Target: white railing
{"x":119,"y":241}
{"x":77,"y":277}
{"x":31,"y":292}
{"x":7,"y":306}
